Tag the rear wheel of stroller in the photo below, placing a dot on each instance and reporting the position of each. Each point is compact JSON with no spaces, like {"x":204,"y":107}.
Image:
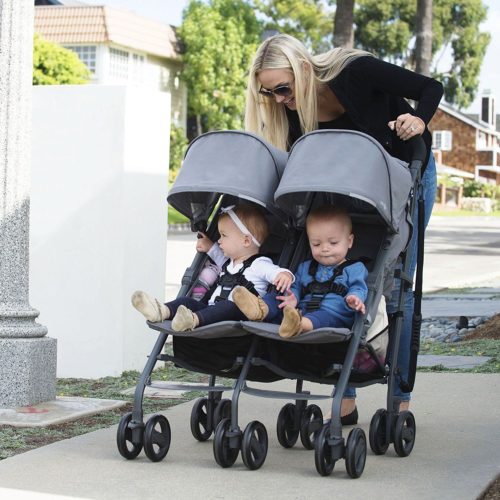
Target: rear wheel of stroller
{"x":127,"y":448}
{"x":285,"y":426}
{"x":323,"y":452}
{"x":379,"y":441}
{"x":311,"y":423}
{"x":157,"y":437}
{"x":199,"y":420}
{"x":355,"y":453}
{"x":254,"y":445}
{"x":404,"y":433}
{"x":222,"y":410}
{"x":224,"y":455}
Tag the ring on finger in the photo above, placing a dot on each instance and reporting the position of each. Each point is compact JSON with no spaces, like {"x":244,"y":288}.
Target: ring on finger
{"x":412,"y":128}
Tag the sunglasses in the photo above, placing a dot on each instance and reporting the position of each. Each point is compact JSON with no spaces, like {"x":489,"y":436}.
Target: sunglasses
{"x":281,"y":90}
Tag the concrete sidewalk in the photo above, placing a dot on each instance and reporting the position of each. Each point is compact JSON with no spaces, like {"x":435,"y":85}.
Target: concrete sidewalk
{"x":456,"y":455}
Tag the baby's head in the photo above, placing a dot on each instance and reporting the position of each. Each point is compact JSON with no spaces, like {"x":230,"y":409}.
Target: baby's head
{"x":242,"y":230}
{"x":329,"y":230}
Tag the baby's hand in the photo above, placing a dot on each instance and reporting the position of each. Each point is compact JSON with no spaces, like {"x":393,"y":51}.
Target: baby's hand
{"x":283,"y":281}
{"x":204,"y":243}
{"x":355,"y":303}
{"x":288,"y":299}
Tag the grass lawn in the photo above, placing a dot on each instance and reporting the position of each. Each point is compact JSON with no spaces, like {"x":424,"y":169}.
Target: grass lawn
{"x":174,"y":217}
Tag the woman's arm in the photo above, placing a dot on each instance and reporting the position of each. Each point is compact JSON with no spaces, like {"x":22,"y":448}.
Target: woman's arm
{"x":392,"y":79}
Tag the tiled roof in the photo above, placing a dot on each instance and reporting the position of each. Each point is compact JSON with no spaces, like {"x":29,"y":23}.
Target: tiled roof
{"x":102,"y":24}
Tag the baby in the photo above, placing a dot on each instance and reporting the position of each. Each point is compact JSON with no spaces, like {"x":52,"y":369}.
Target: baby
{"x":242,"y":230}
{"x":327,"y":290}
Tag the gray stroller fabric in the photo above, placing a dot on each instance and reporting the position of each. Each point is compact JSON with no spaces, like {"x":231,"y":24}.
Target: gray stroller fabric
{"x":226,"y":162}
{"x":348,"y":163}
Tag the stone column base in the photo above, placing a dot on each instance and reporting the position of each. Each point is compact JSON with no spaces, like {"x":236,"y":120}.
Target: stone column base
{"x":27,"y":371}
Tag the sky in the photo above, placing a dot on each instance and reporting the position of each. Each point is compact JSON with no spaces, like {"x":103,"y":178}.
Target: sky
{"x":170,"y":12}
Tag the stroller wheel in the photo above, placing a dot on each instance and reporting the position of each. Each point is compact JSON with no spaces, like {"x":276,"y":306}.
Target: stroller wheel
{"x":323,"y":452}
{"x":379,"y":442}
{"x":199,"y":420}
{"x":222,"y":410}
{"x":311,"y":423}
{"x":285,"y":426}
{"x":254,"y":445}
{"x":355,"y":453}
{"x":404,"y":433}
{"x":127,"y":448}
{"x":157,"y":437}
{"x":224,"y":455}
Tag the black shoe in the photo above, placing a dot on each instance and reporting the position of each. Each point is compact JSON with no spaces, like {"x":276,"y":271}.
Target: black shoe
{"x":350,"y":418}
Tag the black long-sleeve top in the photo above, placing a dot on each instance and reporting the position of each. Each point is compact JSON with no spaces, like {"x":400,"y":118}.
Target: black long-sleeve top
{"x":373,"y":93}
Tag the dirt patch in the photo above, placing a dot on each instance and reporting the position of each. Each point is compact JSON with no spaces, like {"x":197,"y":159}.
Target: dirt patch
{"x":490,"y":329}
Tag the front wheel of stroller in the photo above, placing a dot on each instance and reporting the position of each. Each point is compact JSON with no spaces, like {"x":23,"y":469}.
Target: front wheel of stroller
{"x":323,"y":452}
{"x":254,"y":445}
{"x":355,"y":453}
{"x":199,"y":420}
{"x":379,"y":441}
{"x":127,"y":448}
{"x":285,"y":426}
{"x":157,"y":437}
{"x":404,"y":433}
{"x":224,"y":455}
{"x":311,"y":423}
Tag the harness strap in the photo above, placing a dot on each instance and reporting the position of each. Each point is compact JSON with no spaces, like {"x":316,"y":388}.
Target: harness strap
{"x":228,"y":281}
{"x":320,"y":289}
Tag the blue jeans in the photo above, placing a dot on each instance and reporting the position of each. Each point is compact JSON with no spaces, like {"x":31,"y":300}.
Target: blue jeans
{"x":429,"y":187}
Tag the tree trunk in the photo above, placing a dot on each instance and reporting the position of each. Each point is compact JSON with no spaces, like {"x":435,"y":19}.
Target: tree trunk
{"x":343,"y":32}
{"x":423,"y":46}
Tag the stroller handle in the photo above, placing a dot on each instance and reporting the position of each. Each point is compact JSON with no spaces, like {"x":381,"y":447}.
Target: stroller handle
{"x":418,"y":149}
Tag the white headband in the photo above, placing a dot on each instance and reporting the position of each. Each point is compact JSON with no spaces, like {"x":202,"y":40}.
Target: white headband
{"x":229,"y":211}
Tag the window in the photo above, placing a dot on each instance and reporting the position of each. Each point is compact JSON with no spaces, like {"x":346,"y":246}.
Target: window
{"x":86,"y":53}
{"x":137,"y":65}
{"x":442,"y":139}
{"x":118,"y":63}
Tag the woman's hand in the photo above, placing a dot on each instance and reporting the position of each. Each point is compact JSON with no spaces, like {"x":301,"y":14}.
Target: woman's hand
{"x":407,"y":126}
{"x":204,"y":243}
{"x":288,"y":299}
{"x":355,"y":303}
{"x":283,"y":281}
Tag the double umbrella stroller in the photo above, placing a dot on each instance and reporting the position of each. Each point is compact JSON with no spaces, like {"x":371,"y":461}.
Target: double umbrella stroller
{"x":338,"y":167}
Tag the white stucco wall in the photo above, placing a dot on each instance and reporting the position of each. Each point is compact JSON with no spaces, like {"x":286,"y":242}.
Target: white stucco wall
{"x":98,"y":221}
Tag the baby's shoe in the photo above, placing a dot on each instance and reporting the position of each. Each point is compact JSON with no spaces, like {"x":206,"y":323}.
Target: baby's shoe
{"x":153,"y":310}
{"x":184,"y":320}
{"x":290,"y":326}
{"x":252,"y":306}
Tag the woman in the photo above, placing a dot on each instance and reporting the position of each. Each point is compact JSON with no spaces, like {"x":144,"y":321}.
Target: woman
{"x":291,"y":93}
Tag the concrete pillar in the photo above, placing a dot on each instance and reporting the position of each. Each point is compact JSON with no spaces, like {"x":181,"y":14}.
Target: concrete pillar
{"x":27,"y":356}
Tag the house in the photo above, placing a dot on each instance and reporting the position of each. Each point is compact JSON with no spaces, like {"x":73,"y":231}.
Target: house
{"x":118,"y":47}
{"x":465,"y":147}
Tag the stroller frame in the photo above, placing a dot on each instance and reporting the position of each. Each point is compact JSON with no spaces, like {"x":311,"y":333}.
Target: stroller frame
{"x":221,"y":415}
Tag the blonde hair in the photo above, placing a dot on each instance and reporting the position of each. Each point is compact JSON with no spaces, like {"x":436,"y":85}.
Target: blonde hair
{"x":253,"y":218}
{"x":267,"y":118}
{"x":330,"y":213}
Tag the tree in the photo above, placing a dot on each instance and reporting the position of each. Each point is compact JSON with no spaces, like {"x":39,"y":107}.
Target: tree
{"x":178,"y":145}
{"x":343,"y":29}
{"x":387,"y":29}
{"x":423,"y":44}
{"x":306,"y":20}
{"x":220,"y":38}
{"x":55,"y":65}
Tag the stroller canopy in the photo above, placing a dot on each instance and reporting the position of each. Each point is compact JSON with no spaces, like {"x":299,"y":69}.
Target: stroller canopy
{"x":226,"y":162}
{"x":346,"y":163}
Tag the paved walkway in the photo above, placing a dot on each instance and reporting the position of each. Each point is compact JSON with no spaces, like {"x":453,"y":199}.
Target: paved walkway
{"x":456,"y":454}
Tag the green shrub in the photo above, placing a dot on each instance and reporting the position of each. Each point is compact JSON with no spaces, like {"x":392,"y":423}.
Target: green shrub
{"x":477,"y":189}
